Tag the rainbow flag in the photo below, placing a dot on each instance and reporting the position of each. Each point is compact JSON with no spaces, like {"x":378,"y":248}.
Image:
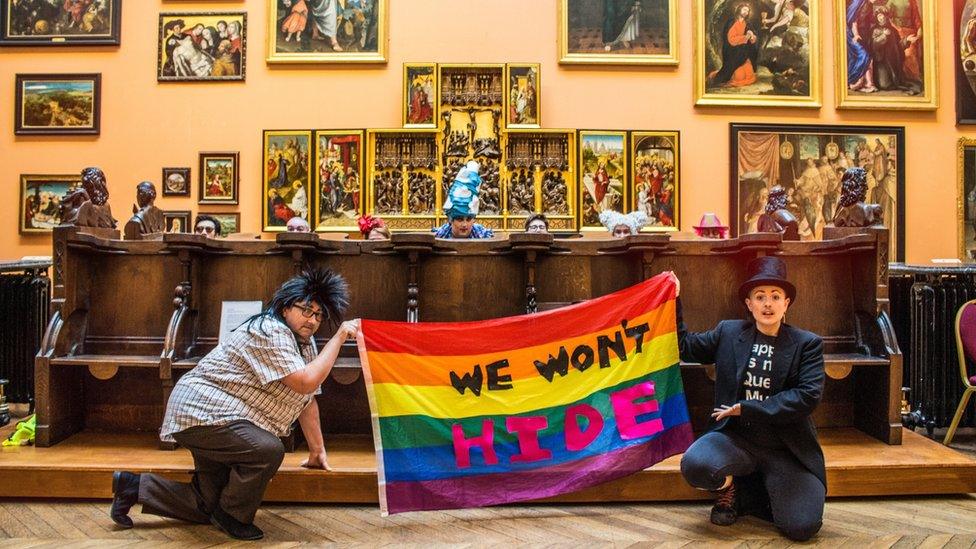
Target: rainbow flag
{"x":468,"y":414}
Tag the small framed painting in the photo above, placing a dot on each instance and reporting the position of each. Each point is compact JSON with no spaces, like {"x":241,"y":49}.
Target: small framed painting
{"x":339,"y":188}
{"x":522,"y":96}
{"x":603,"y":175}
{"x":655,"y":186}
{"x":177,"y":221}
{"x":202,"y":46}
{"x":40,"y":200}
{"x":58,"y":104}
{"x":176,"y":182}
{"x":420,"y":94}
{"x":286,"y":188}
{"x":60,"y":23}
{"x":230,"y":223}
{"x":219,"y":177}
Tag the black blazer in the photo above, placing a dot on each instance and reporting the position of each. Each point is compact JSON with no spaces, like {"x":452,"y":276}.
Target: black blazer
{"x":797,"y":382}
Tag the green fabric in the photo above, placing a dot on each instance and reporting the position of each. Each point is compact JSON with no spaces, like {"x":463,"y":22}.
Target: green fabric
{"x":24,"y":435}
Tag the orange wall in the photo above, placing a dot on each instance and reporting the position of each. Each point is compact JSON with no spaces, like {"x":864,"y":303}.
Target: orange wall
{"x":147,"y":125}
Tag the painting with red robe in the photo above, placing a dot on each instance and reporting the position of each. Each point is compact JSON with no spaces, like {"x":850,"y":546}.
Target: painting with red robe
{"x":219,"y":178}
{"x":287,"y":178}
{"x":420,"y":95}
{"x":603,"y":173}
{"x":339,"y":179}
{"x":758,"y":52}
{"x":654,"y":186}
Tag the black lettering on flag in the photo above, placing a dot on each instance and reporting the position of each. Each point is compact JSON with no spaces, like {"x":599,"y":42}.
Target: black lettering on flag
{"x":495,"y":381}
{"x":558,"y":364}
{"x":582,"y":357}
{"x":604,"y":344}
{"x":471,"y":381}
{"x":637,"y":333}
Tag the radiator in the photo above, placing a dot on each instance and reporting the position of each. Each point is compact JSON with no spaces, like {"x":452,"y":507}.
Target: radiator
{"x":924,"y":302}
{"x":25,"y":291}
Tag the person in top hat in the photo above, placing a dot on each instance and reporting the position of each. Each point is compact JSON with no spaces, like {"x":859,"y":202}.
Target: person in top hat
{"x":710,"y":226}
{"x":760,"y":452}
{"x":461,"y":206}
{"x":621,"y":225}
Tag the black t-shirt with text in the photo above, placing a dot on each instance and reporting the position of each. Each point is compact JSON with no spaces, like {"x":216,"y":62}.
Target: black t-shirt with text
{"x":757,"y":385}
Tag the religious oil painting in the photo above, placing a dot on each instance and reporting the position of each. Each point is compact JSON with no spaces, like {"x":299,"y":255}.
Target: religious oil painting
{"x":621,"y":32}
{"x":287,"y":178}
{"x":327,"y":31}
{"x":60,"y":22}
{"x":655,"y":187}
{"x":339,"y":159}
{"x":965,"y":60}
{"x":886,"y":54}
{"x":808,"y":161}
{"x":177,"y":221}
{"x":58,"y":104}
{"x":522,"y":96}
{"x":202,"y":46}
{"x":603,"y":175}
{"x":420,"y":95}
{"x":230,"y":223}
{"x":176,"y":182}
{"x":219,"y":177}
{"x":40,"y":200}
{"x":966,"y":192}
{"x":758,"y":52}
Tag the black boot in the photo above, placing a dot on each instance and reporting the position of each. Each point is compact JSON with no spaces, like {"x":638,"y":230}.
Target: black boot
{"x":725,"y":511}
{"x":125,"y":489}
{"x":233,"y":527}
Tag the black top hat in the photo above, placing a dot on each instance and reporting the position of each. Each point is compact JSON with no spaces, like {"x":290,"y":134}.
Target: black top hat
{"x":767,"y":271}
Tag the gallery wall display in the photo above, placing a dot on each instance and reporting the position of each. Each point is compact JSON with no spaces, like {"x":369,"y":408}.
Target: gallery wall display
{"x":403,"y":172}
{"x":176,"y":182}
{"x":327,"y":31}
{"x":757,"y":52}
{"x":964,"y":60}
{"x":603,"y":166}
{"x":202,"y":46}
{"x":178,"y":221}
{"x":219,"y":177}
{"x":60,"y":23}
{"x":654,"y":186}
{"x":966,"y":199}
{"x":539,"y":175}
{"x":885,"y":57}
{"x":40,"y":200}
{"x":230,"y":223}
{"x":339,"y":179}
{"x":808,"y":161}
{"x":522,"y":96}
{"x":621,"y":32}
{"x":287,"y":178}
{"x":58,"y":104}
{"x":420,"y":95}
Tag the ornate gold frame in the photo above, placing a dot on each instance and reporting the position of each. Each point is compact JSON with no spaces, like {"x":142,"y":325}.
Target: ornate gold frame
{"x":927,"y":101}
{"x":814,"y":100}
{"x":580,"y":188}
{"x":565,"y":57}
{"x":631,"y":176}
{"x":405,"y":221}
{"x":538,"y":94}
{"x":312,"y":198}
{"x":572,"y":182}
{"x":314,"y":176}
{"x":961,"y":146}
{"x":379,"y":56}
{"x":435,"y":101}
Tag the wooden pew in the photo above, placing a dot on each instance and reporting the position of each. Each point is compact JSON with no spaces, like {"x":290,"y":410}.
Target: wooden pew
{"x":129,"y":317}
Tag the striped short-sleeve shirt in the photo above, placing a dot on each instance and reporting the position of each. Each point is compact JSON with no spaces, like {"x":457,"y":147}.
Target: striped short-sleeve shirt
{"x":241,"y":380}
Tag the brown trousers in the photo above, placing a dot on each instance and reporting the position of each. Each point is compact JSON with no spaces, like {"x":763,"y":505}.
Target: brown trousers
{"x":233,"y":464}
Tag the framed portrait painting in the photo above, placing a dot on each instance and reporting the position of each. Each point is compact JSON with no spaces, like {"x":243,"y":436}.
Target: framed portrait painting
{"x":287,"y":188}
{"x":202,"y":46}
{"x":176,"y":182}
{"x":327,"y":31}
{"x":965,"y":60}
{"x":523,"y":104}
{"x":60,"y":23}
{"x":219,"y":177}
{"x":602,"y":175}
{"x":966,"y":199}
{"x":618,"y":32}
{"x":757,"y":52}
{"x":654,"y":184}
{"x":420,"y":95}
{"x":230,"y":223}
{"x":177,"y":221}
{"x":339,"y":179}
{"x":58,"y":104}
{"x":808,"y":161}
{"x":886,"y":54}
{"x":40,"y":200}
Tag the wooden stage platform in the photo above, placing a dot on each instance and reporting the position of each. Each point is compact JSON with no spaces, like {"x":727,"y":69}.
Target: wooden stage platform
{"x":81,"y":467}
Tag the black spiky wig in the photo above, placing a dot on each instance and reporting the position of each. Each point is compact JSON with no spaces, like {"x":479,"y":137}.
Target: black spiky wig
{"x":322,"y":286}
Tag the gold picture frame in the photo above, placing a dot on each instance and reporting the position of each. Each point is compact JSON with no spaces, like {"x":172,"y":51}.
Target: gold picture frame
{"x":363,"y":38}
{"x":340,"y":199}
{"x":927,"y":99}
{"x":603,"y":157}
{"x":288,"y":193}
{"x":965,"y":208}
{"x":524,"y":108}
{"x":654,"y":182}
{"x":39,"y":199}
{"x":386,"y":162}
{"x":556,"y":165}
{"x":420,"y":79}
{"x":585,"y":51}
{"x":802,"y":92}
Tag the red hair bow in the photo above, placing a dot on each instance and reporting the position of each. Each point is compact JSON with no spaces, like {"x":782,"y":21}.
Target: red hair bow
{"x":367,"y":223}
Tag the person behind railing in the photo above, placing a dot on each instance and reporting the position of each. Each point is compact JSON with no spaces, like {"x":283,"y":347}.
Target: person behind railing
{"x":537,"y":223}
{"x":230,"y":410}
{"x":373,"y":228}
{"x":207,"y":225}
{"x":461,"y":206}
{"x":298,"y":225}
{"x":760,"y":452}
{"x":622,"y":225}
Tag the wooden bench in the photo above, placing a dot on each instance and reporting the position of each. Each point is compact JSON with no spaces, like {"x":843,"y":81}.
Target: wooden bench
{"x":128,"y":317}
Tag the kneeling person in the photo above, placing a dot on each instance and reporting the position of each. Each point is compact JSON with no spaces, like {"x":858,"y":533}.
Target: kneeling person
{"x":231,"y":408}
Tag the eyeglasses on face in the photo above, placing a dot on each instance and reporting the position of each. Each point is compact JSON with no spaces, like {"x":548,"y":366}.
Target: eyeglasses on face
{"x":309,"y":312}
{"x":204,"y":229}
